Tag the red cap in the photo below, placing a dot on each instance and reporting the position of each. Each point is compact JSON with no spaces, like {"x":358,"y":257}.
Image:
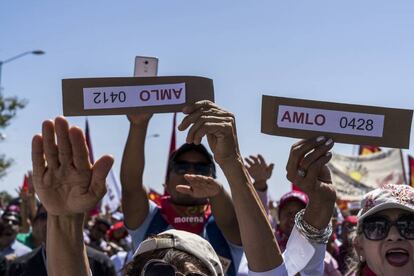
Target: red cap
{"x":117,"y":226}
{"x":293,"y":196}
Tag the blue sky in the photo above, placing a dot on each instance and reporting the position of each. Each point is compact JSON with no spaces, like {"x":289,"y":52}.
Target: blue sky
{"x":340,"y":51}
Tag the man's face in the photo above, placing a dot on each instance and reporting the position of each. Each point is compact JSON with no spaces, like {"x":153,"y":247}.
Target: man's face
{"x":177,"y":178}
{"x":8,"y":233}
{"x":287,"y":215}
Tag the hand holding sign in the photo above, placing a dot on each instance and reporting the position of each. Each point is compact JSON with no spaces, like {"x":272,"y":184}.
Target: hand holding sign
{"x":64,"y":179}
{"x":139,"y":119}
{"x":352,"y":124}
{"x":110,"y":96}
{"x":208,"y":119}
{"x":307,"y":168}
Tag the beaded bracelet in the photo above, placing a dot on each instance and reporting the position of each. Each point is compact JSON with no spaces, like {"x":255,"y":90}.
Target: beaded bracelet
{"x":311,"y":233}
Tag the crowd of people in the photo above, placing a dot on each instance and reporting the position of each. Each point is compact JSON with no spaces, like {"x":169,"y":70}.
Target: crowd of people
{"x":197,"y":227}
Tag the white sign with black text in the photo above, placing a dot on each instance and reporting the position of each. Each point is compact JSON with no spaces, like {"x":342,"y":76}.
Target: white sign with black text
{"x":133,"y":96}
{"x":332,"y":121}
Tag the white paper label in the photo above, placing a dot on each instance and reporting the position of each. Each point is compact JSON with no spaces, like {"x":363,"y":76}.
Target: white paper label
{"x":324,"y":120}
{"x":133,"y":96}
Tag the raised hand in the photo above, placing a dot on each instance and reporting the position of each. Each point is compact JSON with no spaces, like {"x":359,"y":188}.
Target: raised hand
{"x":200,"y":186}
{"x":63,"y":177}
{"x":208,"y":119}
{"x":307,"y":168}
{"x":258,"y":168}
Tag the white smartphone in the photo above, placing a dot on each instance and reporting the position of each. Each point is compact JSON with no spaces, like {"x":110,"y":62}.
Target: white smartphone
{"x":146,"y":66}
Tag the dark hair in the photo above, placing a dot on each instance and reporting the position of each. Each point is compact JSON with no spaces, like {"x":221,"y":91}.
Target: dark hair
{"x":172,"y":256}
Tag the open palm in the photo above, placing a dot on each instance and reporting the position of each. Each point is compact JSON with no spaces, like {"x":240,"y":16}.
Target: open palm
{"x":63,"y":177}
{"x":199,"y":186}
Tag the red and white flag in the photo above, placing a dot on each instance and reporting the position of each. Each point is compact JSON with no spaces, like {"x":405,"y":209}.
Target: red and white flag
{"x":353,"y":176}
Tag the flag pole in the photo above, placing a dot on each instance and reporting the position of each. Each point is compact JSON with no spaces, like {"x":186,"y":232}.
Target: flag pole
{"x":403,"y":168}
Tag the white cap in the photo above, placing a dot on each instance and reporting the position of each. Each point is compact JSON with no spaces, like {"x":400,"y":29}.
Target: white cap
{"x":187,"y":242}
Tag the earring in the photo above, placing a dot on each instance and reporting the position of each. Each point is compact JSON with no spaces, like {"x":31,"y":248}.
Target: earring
{"x":361,"y":259}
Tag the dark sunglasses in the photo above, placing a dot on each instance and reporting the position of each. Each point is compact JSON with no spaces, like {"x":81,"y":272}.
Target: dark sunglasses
{"x":11,"y":222}
{"x":377,"y":227}
{"x":183,"y":167}
{"x":160,"y":267}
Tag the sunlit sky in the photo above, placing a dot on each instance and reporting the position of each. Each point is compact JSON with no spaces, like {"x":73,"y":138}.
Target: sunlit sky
{"x":340,"y":51}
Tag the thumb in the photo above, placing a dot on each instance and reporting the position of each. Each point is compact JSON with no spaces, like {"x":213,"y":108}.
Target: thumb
{"x":100,"y":171}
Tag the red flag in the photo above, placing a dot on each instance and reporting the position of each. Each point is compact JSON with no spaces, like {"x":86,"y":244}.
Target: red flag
{"x":155,"y":196}
{"x":173,"y":145}
{"x":364,"y":149}
{"x":88,"y":141}
{"x":25,"y":185}
{"x":411,"y":170}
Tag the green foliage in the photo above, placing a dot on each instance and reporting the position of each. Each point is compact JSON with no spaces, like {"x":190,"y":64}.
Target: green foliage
{"x":5,"y":198}
{"x":8,"y":109}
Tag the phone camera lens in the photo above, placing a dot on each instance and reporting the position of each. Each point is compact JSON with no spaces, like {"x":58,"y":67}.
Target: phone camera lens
{"x":146,"y":62}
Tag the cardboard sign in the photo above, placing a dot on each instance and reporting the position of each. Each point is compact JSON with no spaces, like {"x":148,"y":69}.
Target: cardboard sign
{"x":345,"y":123}
{"x":111,"y":96}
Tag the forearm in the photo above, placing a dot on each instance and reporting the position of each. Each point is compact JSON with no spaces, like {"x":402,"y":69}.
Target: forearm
{"x":225,"y":216}
{"x":261,"y":189}
{"x":25,"y":227}
{"x":133,"y":159}
{"x":134,"y":194}
{"x":65,"y":250}
{"x":258,"y":240}
{"x":318,"y":212}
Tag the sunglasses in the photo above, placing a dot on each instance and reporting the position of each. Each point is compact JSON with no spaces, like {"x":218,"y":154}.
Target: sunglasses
{"x":11,"y":222}
{"x":160,"y":267}
{"x":377,"y":227}
{"x":183,"y":167}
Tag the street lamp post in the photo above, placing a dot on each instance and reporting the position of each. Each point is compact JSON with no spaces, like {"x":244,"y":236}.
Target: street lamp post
{"x":2,"y":62}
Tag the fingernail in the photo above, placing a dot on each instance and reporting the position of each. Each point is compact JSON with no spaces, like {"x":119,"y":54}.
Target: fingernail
{"x":330,"y":141}
{"x":328,"y":154}
{"x":320,"y":139}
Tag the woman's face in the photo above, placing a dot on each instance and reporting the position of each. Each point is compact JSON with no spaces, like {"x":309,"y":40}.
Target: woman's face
{"x":393,"y":255}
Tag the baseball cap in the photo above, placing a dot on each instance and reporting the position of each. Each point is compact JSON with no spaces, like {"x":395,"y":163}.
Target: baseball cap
{"x":186,"y":242}
{"x":293,"y":196}
{"x":192,"y":147}
{"x":391,"y":196}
